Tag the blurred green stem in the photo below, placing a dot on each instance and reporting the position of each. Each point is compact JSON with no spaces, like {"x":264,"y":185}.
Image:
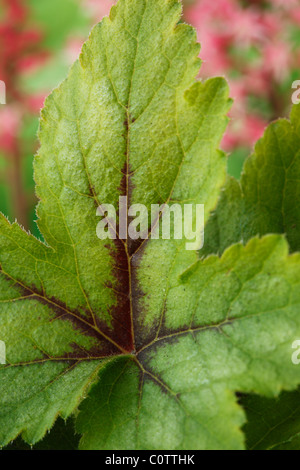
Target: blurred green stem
{"x":19,"y":197}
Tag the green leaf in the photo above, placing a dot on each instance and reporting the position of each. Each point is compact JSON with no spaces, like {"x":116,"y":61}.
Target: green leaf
{"x":186,"y":377}
{"x":273,"y":424}
{"x":61,"y":437}
{"x":164,"y":338}
{"x":267,"y":200}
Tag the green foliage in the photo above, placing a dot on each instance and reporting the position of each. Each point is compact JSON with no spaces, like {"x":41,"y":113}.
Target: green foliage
{"x":158,"y":337}
{"x":267,"y":200}
{"x":273,"y":424}
{"x":61,"y":437}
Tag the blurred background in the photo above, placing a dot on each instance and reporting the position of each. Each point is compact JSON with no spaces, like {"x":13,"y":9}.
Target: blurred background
{"x":255,"y":44}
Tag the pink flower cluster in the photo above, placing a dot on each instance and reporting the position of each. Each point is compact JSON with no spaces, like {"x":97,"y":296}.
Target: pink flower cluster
{"x":251,"y":44}
{"x":20,"y":52}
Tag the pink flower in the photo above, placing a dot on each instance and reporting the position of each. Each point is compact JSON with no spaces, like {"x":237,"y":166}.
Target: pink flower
{"x":239,"y":92}
{"x":247,"y":27}
{"x":32,"y":63}
{"x":98,"y":8}
{"x":213,"y":54}
{"x":251,"y":46}
{"x":244,"y":132}
{"x":73,"y":48}
{"x":207,"y":10}
{"x":256,"y":80}
{"x":285,"y":4}
{"x":255,"y":127}
{"x":10,"y":118}
{"x":272,"y":24}
{"x":277,"y":59}
{"x":295,"y":15}
{"x":36,"y":102}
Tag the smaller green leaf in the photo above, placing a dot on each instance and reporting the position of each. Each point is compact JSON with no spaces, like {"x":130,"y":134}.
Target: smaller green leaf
{"x":267,"y":200}
{"x":273,"y":424}
{"x":61,"y":437}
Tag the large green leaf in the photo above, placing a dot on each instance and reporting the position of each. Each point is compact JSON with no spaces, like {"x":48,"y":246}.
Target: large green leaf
{"x":166,"y":338}
{"x":224,"y":330}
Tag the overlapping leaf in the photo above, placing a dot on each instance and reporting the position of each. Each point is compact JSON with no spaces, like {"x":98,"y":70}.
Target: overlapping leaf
{"x":267,"y":198}
{"x":170,"y":338}
{"x":273,"y":424}
{"x":265,"y":201}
